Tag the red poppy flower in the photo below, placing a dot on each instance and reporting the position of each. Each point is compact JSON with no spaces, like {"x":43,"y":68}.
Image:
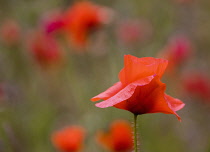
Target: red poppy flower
{"x":177,"y":52}
{"x":140,"y":90}
{"x":69,"y":139}
{"x":81,"y":19}
{"x":44,"y":48}
{"x":118,"y":139}
{"x":10,"y":32}
{"x":197,"y":84}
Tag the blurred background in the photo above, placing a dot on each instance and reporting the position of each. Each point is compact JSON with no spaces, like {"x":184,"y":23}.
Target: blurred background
{"x":49,"y":72}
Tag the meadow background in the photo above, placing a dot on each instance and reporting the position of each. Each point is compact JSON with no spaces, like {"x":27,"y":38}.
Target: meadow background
{"x":36,"y":101}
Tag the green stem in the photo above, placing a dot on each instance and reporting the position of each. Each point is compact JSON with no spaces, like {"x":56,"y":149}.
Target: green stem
{"x":135,"y":134}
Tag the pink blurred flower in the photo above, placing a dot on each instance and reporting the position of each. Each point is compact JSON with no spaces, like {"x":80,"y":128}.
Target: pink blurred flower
{"x":2,"y":93}
{"x":133,"y":31}
{"x":10,"y":32}
{"x":53,"y":21}
{"x":44,"y":49}
{"x":177,"y":51}
{"x":197,"y":84}
{"x":183,"y":1}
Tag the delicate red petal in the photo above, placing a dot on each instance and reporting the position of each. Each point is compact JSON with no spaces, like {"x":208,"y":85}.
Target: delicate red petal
{"x":109,"y":92}
{"x":124,"y":94}
{"x":174,"y":103}
{"x":158,"y":102}
{"x":161,"y":65}
{"x":138,"y":68}
{"x":149,"y":99}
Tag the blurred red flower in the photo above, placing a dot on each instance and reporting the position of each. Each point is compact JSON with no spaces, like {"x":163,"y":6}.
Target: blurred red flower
{"x":132,"y":31}
{"x":81,"y":19}
{"x":197,"y":84}
{"x":78,"y":21}
{"x":10,"y":32}
{"x":177,"y":52}
{"x":44,"y":48}
{"x":118,"y":139}
{"x":69,"y":139}
{"x":140,"y":90}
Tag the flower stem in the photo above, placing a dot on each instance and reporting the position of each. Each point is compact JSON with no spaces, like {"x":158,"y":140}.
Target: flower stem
{"x":135,"y":134}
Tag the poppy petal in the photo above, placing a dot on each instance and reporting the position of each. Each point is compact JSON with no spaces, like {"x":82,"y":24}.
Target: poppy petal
{"x":149,"y":98}
{"x":122,"y":95}
{"x":174,"y":103}
{"x":137,"y":68}
{"x":109,"y":92}
{"x":125,"y":93}
{"x":156,"y":100}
